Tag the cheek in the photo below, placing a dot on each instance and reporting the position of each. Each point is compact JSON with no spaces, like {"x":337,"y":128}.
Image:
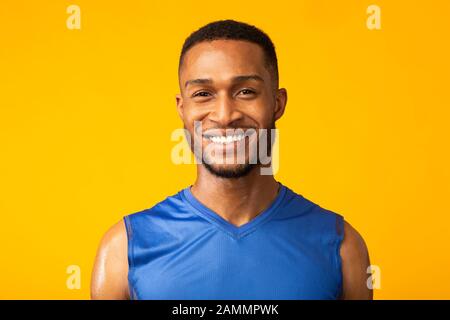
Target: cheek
{"x":194,"y":120}
{"x":192,"y":114}
{"x":262,"y":113}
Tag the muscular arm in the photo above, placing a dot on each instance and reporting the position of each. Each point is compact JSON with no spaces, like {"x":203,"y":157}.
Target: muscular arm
{"x":355,"y":260}
{"x":110,"y":273}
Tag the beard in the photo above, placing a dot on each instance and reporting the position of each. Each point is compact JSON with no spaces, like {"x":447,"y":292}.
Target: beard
{"x":235,"y":171}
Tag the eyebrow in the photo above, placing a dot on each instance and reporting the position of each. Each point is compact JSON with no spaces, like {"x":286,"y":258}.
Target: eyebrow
{"x":236,"y":79}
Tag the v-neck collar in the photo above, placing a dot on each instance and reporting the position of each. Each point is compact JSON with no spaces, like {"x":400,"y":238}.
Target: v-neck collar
{"x":228,"y":227}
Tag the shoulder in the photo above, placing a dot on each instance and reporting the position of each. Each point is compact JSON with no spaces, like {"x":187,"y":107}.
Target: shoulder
{"x":110,"y":272}
{"x":355,"y":263}
{"x":165,"y":206}
{"x":114,"y":241}
{"x":115,"y":236}
{"x":353,"y":244}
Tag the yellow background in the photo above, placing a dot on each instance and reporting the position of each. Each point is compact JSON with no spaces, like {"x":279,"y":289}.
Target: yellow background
{"x":86,"y":117}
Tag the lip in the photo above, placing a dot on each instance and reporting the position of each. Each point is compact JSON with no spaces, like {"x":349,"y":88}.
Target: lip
{"x":227,"y":132}
{"x":225,"y":139}
{"x":230,"y":149}
{"x":221,"y":137}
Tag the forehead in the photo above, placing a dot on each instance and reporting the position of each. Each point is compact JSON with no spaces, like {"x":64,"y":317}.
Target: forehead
{"x":222,"y":60}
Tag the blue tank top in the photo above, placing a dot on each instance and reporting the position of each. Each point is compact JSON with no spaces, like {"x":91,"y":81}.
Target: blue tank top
{"x":180,"y":249}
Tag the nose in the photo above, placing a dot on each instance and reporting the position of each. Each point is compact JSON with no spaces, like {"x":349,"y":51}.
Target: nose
{"x":225,"y":113}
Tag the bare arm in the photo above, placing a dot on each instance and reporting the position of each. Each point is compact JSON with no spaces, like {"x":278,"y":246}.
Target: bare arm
{"x":110,"y":273}
{"x":355,"y":260}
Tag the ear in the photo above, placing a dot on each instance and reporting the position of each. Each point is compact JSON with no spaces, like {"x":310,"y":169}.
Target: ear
{"x":179,"y":100}
{"x":280,"y":103}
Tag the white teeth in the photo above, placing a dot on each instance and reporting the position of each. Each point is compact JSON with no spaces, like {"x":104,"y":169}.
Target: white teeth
{"x":226,"y":139}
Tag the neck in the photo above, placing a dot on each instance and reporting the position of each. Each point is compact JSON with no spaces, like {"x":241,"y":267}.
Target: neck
{"x":237,"y":200}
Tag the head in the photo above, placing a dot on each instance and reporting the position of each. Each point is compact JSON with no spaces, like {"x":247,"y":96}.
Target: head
{"x":228,"y":77}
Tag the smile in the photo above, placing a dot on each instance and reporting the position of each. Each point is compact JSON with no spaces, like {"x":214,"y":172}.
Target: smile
{"x":225,"y":139}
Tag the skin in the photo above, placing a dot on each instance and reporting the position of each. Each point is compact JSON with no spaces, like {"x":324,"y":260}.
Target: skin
{"x":237,"y":90}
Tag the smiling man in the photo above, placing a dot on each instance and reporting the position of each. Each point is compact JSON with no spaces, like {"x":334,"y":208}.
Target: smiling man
{"x":236,"y":233}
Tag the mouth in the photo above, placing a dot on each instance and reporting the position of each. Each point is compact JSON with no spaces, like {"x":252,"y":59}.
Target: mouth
{"x":232,"y":146}
{"x":224,"y":139}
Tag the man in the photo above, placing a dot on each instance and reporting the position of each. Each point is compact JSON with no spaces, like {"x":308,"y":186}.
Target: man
{"x":236,"y":233}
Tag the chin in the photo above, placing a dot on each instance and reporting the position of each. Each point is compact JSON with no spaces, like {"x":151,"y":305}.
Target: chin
{"x":230,"y":171}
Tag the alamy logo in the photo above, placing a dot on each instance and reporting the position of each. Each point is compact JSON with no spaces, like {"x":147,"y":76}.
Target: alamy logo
{"x":374,"y":19}
{"x":73,"y":21}
{"x":74,"y":279}
{"x":227,"y":146}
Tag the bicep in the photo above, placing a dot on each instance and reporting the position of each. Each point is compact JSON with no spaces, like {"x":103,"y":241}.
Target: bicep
{"x":110,"y":272}
{"x":355,"y":261}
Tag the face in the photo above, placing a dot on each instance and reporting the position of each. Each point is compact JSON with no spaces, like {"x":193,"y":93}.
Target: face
{"x":228,"y":95}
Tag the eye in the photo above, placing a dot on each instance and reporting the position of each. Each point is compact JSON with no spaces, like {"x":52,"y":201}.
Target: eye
{"x":201,"y":94}
{"x":246,"y":92}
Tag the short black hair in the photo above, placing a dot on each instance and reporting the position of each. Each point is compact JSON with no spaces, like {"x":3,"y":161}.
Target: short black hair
{"x":234,"y":30}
